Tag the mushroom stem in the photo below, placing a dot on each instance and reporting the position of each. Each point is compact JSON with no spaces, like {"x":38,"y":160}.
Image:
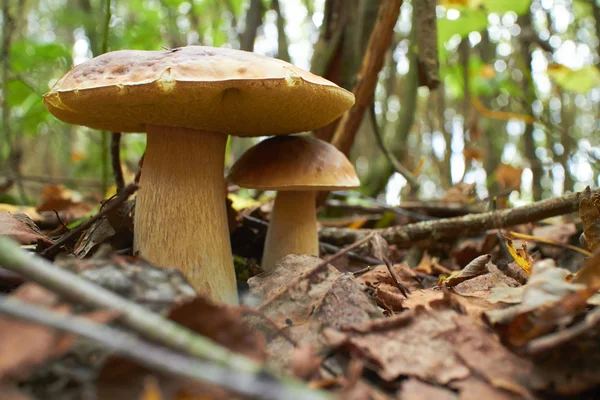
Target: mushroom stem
{"x":293,"y":227}
{"x":180,"y":217}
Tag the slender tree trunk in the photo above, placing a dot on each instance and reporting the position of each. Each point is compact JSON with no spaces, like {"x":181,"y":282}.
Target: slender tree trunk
{"x":494,"y":136}
{"x":338,"y":53}
{"x":282,"y":42}
{"x":567,"y":117}
{"x":530,"y":96}
{"x":446,"y":174}
{"x":253,"y":22}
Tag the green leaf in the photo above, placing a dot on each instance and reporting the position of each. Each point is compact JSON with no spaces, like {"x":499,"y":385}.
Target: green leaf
{"x":502,"y":6}
{"x":577,"y":81}
{"x":469,"y":21}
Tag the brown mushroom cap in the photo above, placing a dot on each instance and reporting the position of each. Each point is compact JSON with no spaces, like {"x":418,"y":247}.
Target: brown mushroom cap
{"x":203,"y":88}
{"x":294,"y":163}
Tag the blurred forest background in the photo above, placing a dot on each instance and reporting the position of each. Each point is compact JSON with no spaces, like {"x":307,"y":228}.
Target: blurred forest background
{"x":515,"y":112}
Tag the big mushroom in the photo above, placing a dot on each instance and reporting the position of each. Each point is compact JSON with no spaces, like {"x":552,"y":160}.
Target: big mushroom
{"x":296,"y":167}
{"x":188,"y":100}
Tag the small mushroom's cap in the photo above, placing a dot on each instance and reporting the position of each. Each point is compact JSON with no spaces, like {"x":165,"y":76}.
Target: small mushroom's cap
{"x":204,"y":88}
{"x":294,"y":163}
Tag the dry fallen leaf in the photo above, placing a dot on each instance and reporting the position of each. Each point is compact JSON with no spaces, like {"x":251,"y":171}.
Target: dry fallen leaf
{"x":223,"y":324}
{"x":547,"y":302}
{"x":508,"y":177}
{"x":302,"y":301}
{"x":439,"y":346}
{"x":461,"y":193}
{"x":589,"y":274}
{"x":69,"y":202}
{"x":16,"y":227}
{"x":25,"y":345}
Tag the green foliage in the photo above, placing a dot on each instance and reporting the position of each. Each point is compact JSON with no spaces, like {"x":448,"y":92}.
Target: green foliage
{"x":502,"y":6}
{"x":470,"y":20}
{"x":473,"y":18}
{"x":577,"y":81}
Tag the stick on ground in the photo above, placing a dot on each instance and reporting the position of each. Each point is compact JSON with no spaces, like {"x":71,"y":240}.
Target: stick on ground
{"x":464,"y":226}
{"x":146,"y":323}
{"x":157,"y":357}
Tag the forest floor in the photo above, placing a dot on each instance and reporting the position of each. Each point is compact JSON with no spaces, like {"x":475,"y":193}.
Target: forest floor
{"x":429,"y":301}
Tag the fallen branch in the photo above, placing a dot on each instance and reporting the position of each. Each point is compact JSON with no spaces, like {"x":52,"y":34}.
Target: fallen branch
{"x":157,"y":357}
{"x":463,"y":226}
{"x":73,"y":234}
{"x":146,"y":323}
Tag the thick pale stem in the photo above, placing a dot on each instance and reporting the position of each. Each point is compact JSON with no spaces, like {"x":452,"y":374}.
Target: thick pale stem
{"x":293,"y":227}
{"x":180,"y":217}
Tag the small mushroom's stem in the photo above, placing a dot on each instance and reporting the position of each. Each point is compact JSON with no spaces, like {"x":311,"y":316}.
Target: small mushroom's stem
{"x":293,"y":227}
{"x":180,"y":216}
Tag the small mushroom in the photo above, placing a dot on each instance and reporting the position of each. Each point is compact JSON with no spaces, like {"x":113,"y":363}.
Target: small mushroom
{"x":189,"y":100}
{"x":297,"y":167}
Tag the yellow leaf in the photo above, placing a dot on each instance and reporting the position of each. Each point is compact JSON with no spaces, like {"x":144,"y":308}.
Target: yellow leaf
{"x":78,"y":156}
{"x":487,"y":71}
{"x":239,"y":203}
{"x":358,"y":223}
{"x":519,"y":255}
{"x":151,"y":390}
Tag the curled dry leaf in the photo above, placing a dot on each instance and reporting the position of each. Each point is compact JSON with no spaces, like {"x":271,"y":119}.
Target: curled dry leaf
{"x":20,"y":228}
{"x":475,"y":268}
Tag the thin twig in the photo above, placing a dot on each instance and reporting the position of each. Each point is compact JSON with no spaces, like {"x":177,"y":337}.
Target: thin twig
{"x":146,"y":323}
{"x":401,"y":169}
{"x":115,"y":156}
{"x":323,"y":247}
{"x":108,"y":206}
{"x":397,"y":210}
{"x":315,"y":269}
{"x":57,"y":180}
{"x":60,"y":221}
{"x":157,"y":357}
{"x":463,"y":226}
